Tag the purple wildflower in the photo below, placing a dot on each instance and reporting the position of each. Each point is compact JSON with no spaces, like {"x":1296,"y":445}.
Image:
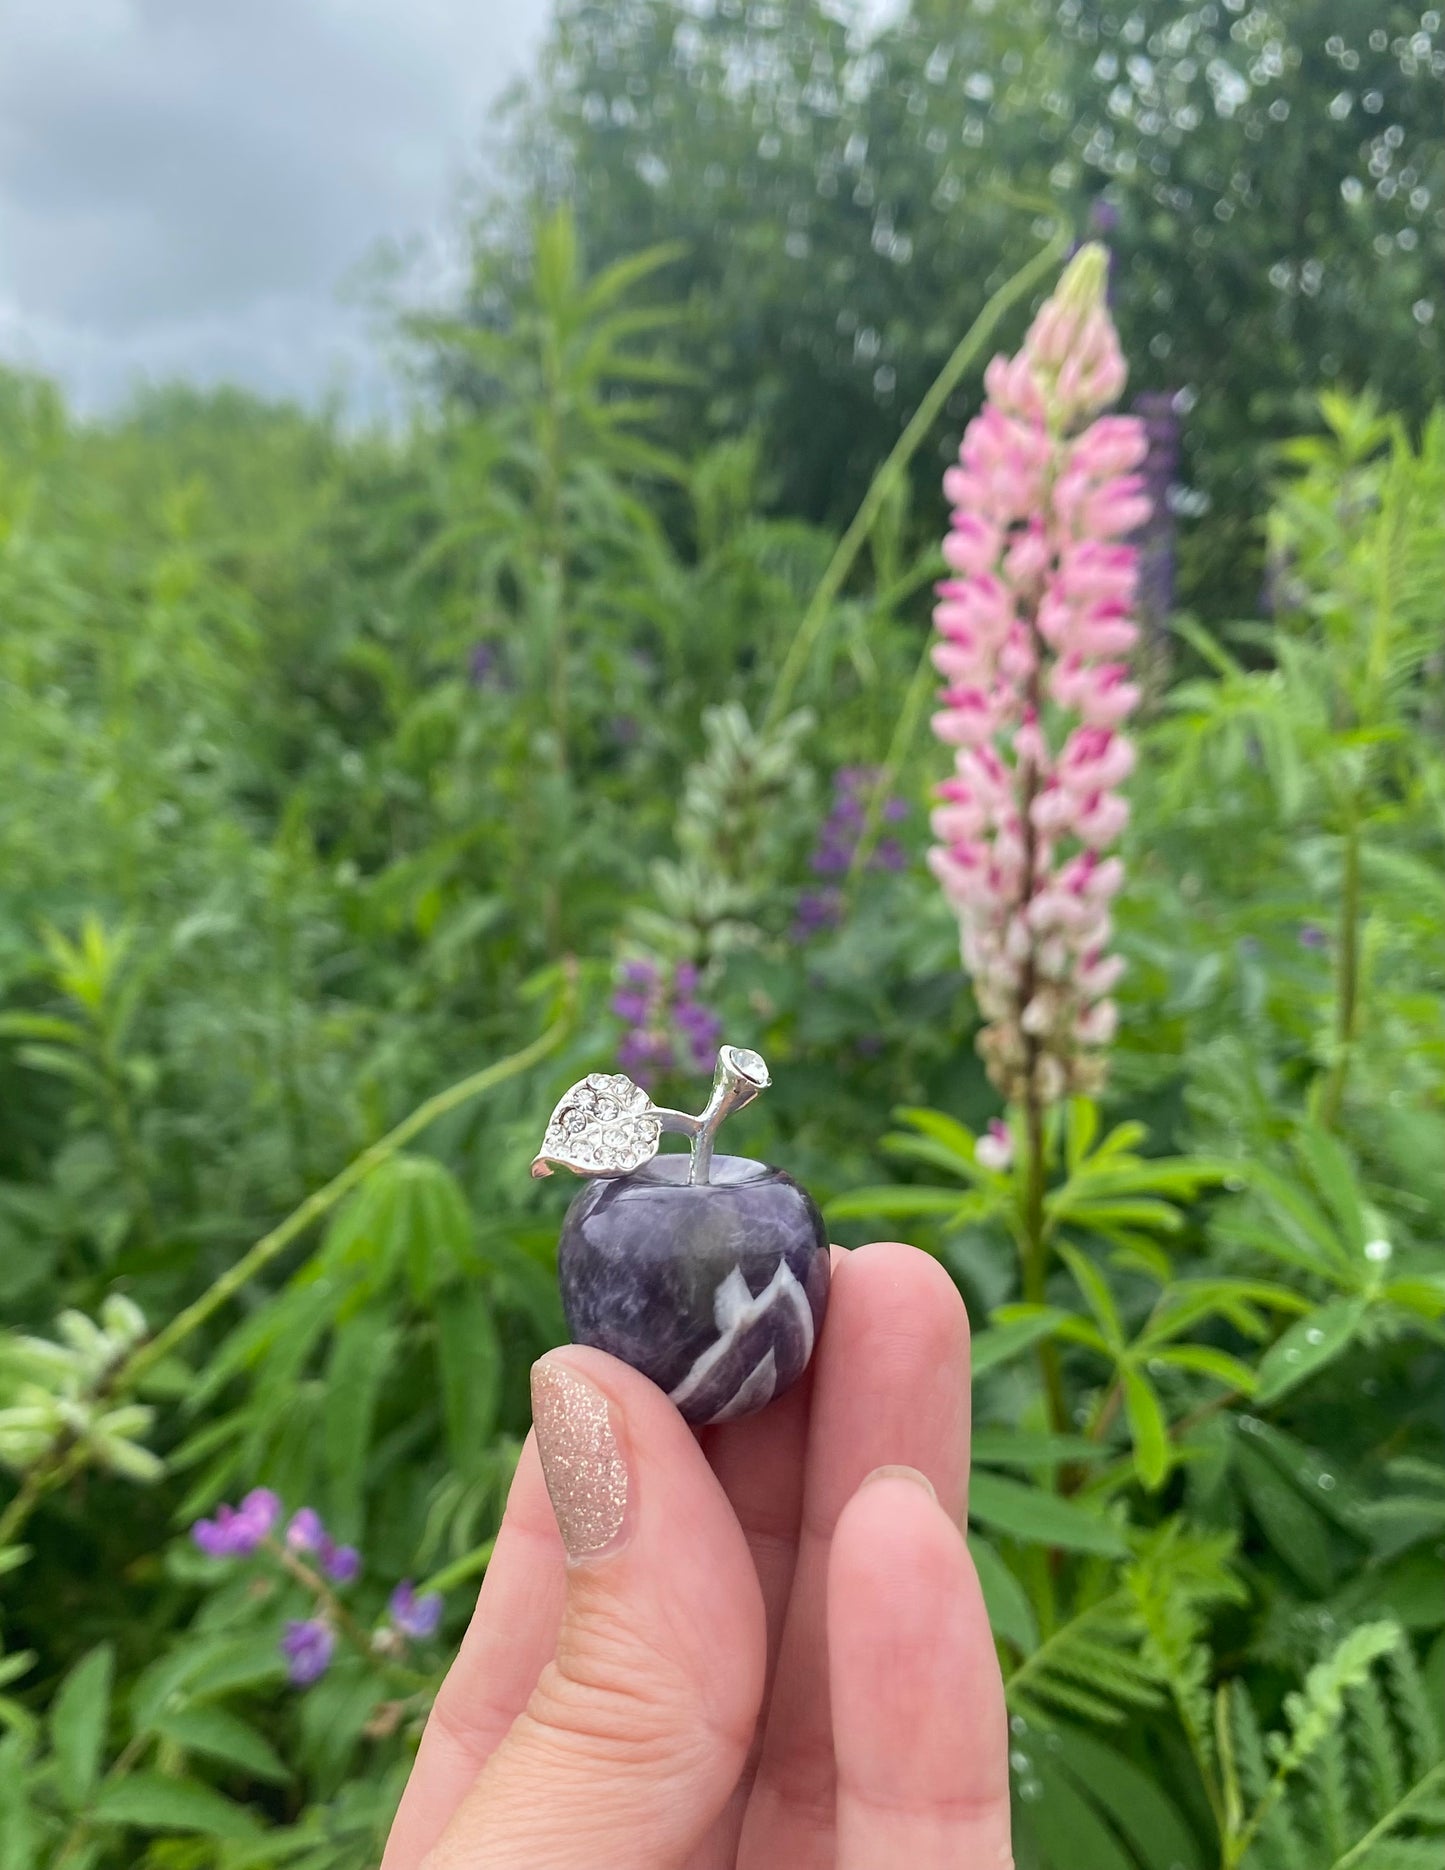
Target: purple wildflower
{"x":1311,"y":935}
{"x":306,"y":1532}
{"x":667,"y":1025}
{"x":341,"y":1563}
{"x":817,"y":910}
{"x":415,"y":1616}
{"x":643,"y":1054}
{"x":482,"y":665}
{"x":837,"y":846}
{"x":236,"y":1531}
{"x":307,"y":1644}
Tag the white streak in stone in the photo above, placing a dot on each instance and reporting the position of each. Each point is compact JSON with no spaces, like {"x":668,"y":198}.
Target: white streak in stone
{"x":754,"y":1392}
{"x":736,"y":1310}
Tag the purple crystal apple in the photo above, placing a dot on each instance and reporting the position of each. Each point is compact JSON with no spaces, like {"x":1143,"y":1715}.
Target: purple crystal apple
{"x":708,"y":1274}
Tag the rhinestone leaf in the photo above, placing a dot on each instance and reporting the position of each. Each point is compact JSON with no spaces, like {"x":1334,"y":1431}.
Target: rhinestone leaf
{"x":602,"y":1126}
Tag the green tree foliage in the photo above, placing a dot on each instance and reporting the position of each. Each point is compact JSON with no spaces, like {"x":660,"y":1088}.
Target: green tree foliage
{"x":1271,"y":177}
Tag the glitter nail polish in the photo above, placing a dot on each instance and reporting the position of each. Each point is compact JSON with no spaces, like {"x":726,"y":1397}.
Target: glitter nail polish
{"x":583,"y":1466}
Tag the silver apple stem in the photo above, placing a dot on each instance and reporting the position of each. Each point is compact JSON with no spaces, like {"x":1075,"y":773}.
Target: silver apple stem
{"x":740,"y":1077}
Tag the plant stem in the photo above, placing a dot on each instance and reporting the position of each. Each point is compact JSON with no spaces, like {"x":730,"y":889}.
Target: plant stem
{"x":326,"y":1197}
{"x":966,"y":353}
{"x":64,"y":1456}
{"x":1036,"y":1260}
{"x":1347,"y":990}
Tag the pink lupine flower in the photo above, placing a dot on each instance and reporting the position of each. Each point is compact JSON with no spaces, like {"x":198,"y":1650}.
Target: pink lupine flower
{"x":1034,"y":628}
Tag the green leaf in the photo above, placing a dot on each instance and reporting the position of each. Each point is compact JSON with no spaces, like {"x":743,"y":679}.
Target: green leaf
{"x":1293,"y":1528}
{"x":469,"y":1356}
{"x":1081,"y":1127}
{"x":1035,"y":1517}
{"x":1333,"y":1175}
{"x":1315,"y":1711}
{"x":1147,"y":1427}
{"x":1310,"y":1343}
{"x":1067,"y":1824}
{"x":78,"y":1722}
{"x":152,"y":1802}
{"x":1132,"y":1800}
{"x":362,"y":1351}
{"x":1010,"y":1614}
{"x":1009,"y":1447}
{"x":1205,"y":1361}
{"x":897,"y":1202}
{"x":222,"y":1735}
{"x":1003,"y":1342}
{"x":946,"y":1131}
{"x":1095,"y":1288}
{"x":210,"y":1667}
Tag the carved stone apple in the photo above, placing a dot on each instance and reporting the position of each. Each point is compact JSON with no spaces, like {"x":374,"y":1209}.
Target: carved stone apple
{"x":708,"y":1274}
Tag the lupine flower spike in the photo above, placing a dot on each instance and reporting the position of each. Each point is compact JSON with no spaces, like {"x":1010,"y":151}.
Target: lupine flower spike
{"x":668,"y":1028}
{"x":1034,"y":629}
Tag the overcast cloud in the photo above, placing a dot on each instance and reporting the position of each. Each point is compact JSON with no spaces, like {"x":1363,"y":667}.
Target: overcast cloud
{"x":187,"y":185}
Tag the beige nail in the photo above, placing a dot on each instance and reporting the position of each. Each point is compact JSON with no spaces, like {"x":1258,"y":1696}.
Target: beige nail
{"x":583,"y":1466}
{"x":902,"y":1473}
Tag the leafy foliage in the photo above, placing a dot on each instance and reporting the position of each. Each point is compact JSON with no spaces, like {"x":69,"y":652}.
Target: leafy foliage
{"x":335,"y":765}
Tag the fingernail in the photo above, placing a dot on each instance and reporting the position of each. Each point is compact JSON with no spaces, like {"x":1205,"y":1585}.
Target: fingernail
{"x":902,"y":1473}
{"x":585,"y":1473}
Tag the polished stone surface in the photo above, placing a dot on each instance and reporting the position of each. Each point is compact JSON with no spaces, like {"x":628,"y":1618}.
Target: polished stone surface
{"x":717,"y":1293}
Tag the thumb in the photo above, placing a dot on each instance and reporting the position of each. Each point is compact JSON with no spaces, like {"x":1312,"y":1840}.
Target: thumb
{"x":638,"y":1728}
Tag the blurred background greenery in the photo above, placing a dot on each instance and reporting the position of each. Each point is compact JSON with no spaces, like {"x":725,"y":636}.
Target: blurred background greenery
{"x":340,"y":763}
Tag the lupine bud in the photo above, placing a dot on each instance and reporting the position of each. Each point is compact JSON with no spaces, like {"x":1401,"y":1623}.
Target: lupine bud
{"x":1032,"y":631}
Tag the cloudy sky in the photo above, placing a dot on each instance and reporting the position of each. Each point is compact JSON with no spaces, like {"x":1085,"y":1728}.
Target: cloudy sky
{"x":187,"y":186}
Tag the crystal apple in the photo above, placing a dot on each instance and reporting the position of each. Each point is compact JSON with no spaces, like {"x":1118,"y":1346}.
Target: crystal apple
{"x":707,"y":1273}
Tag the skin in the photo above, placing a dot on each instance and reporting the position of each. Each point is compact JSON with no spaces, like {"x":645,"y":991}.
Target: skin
{"x":784,"y":1660}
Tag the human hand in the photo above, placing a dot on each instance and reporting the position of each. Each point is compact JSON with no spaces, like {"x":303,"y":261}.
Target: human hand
{"x":744,"y":1650}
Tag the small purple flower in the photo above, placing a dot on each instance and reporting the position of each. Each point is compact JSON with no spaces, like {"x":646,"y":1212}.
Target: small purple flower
{"x":817,"y":910}
{"x":482,"y":665}
{"x":236,"y":1531}
{"x":213,"y":1536}
{"x":306,"y":1532}
{"x":665,"y":1022}
{"x":641,"y":1054}
{"x":840,"y":831}
{"x":307,"y":1644}
{"x":341,"y":1563}
{"x":415,"y":1616}
{"x":1311,"y":935}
